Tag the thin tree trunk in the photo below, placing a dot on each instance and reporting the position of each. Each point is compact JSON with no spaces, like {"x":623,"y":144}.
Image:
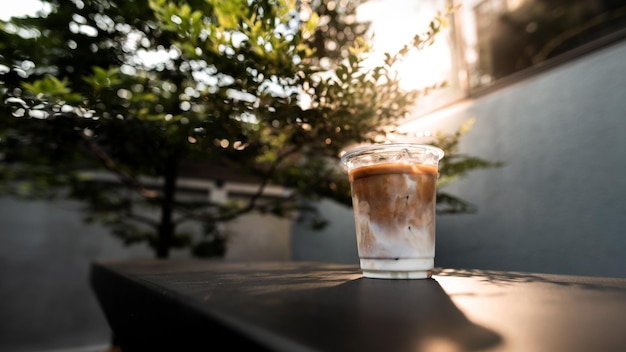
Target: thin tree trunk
{"x":166,"y":227}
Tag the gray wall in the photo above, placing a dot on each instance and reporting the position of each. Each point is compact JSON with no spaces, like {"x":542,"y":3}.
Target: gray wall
{"x":559,"y":203}
{"x":336,"y":243}
{"x":46,"y":251}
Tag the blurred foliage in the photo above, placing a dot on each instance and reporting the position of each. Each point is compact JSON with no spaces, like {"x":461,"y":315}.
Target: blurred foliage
{"x":82,"y":100}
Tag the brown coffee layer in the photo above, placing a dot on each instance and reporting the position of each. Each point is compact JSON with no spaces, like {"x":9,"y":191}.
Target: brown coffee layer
{"x":399,"y":199}
{"x":397,"y":168}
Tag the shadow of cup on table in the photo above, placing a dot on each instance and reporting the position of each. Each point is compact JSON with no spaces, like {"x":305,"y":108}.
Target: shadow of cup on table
{"x":286,"y":307}
{"x":353,"y":313}
{"x":425,"y":318}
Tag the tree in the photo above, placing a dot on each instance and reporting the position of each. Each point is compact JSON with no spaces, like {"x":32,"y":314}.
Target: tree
{"x":228,"y":93}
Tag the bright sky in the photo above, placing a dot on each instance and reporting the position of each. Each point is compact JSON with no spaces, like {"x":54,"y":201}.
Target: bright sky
{"x":393,"y":21}
{"x":18,"y":8}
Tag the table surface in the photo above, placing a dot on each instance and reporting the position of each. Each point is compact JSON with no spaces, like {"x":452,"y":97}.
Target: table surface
{"x":303,"y":306}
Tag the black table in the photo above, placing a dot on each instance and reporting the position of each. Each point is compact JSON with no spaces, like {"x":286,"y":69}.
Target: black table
{"x":193,"y":305}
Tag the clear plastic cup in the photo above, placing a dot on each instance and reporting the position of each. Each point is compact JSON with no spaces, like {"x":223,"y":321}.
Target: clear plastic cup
{"x":393,"y":197}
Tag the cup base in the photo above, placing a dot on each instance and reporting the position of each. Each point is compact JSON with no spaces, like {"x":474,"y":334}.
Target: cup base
{"x":397,"y":274}
{"x":401,"y":268}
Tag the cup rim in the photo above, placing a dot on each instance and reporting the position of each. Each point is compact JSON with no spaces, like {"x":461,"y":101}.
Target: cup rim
{"x":358,"y":150}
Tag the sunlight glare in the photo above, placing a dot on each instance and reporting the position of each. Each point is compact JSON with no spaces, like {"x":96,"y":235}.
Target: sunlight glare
{"x":21,"y":8}
{"x":394,"y":24}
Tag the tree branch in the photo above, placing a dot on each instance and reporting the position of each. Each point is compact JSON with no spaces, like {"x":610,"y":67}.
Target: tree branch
{"x":112,"y":166}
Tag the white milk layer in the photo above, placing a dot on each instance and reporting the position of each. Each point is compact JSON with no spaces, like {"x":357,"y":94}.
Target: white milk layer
{"x":409,"y":232}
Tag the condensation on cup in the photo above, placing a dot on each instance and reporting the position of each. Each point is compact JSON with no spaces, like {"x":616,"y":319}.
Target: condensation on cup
{"x":393,"y":196}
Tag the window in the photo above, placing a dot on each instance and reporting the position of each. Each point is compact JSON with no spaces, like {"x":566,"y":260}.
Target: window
{"x":490,"y":42}
{"x":505,"y":37}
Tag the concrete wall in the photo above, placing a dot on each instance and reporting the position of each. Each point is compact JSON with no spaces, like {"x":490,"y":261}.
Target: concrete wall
{"x":257,"y":237}
{"x":45,"y":255}
{"x":559,"y":204}
{"x":335,"y":243}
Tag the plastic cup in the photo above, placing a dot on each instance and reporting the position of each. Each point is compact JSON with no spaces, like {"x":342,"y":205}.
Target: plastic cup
{"x":393,"y":197}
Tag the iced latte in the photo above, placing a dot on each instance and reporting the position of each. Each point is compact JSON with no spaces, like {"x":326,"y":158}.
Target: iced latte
{"x":393,"y":196}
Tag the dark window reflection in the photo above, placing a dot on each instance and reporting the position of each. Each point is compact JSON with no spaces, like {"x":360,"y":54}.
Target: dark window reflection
{"x":512,"y":35}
